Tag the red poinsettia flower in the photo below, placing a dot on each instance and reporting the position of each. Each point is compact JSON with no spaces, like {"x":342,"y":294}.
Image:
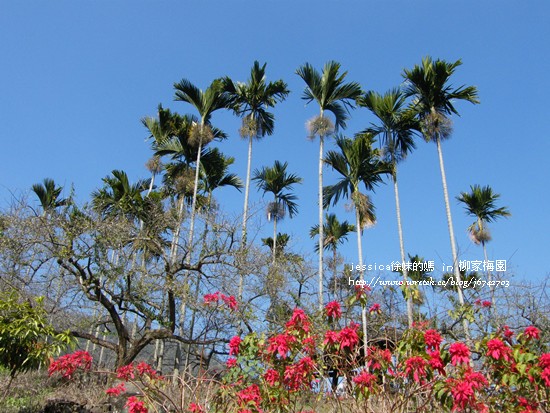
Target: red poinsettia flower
{"x":532,"y":332}
{"x":432,"y":339}
{"x":497,"y":350}
{"x":234,"y":344}
{"x":333,"y":310}
{"x":459,"y":353}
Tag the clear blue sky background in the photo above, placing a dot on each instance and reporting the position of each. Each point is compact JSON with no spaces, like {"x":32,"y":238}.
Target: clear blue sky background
{"x":77,"y":76}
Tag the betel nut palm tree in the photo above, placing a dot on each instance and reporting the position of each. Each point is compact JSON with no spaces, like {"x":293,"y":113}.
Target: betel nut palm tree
{"x":433,"y":97}
{"x":395,"y":131}
{"x":480,"y":203}
{"x":278,"y":182}
{"x":330,"y":91}
{"x":336,"y":233}
{"x":358,"y":163}
{"x":251,"y":100}
{"x":48,"y":194}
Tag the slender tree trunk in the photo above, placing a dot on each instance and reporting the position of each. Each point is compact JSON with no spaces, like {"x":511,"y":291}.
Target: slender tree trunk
{"x":183,"y":306}
{"x":452,"y":237}
{"x":321,"y":218}
{"x":362,"y":278}
{"x":245,"y":214}
{"x":335,"y":270}
{"x":408,"y":295}
{"x":274,"y":252}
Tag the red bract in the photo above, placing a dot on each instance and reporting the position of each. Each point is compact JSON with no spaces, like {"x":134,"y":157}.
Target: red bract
{"x":250,"y":395}
{"x":544,"y":360}
{"x":497,"y":350}
{"x":463,"y":394}
{"x":272,"y":377}
{"x":212,"y":298}
{"x":365,"y":380}
{"x":135,"y":406}
{"x":532,"y":332}
{"x":545,"y":376}
{"x":299,"y":375}
{"x":126,"y":372}
{"x":298,"y":321}
{"x":234,"y":344}
{"x":377,"y":358}
{"x":195,"y":408}
{"x":435,"y":361}
{"x":144,"y":368}
{"x":486,"y":304}
{"x":69,"y":363}
{"x":361,"y":290}
{"x":459,"y":353}
{"x":281,"y":344}
{"x":375,"y":308}
{"x":117,"y":390}
{"x":232,"y":362}
{"x":507,"y":332}
{"x":417,"y":366}
{"x":333,"y":310}
{"x":230,"y":301}
{"x":309,"y":345}
{"x":348,"y":337}
{"x":432,"y":339}
{"x":331,"y":337}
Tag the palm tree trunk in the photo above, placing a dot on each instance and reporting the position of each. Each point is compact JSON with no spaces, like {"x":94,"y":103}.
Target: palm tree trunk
{"x":335,"y":269}
{"x":408,"y":295}
{"x":362,"y":278}
{"x":245,"y":213}
{"x":321,"y":217}
{"x":274,"y":252}
{"x":452,"y":237}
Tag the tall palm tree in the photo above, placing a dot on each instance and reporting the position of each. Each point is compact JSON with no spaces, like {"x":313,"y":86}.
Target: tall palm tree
{"x":357,"y":162}
{"x":336,"y":233}
{"x":396,"y":134}
{"x":433,"y":98}
{"x":332,"y":94}
{"x":480,"y":203}
{"x":277,"y":181}
{"x":205,"y":102}
{"x":251,"y":100}
{"x":48,"y":195}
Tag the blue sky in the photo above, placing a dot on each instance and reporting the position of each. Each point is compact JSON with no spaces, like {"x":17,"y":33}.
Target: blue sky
{"x":76,"y":77}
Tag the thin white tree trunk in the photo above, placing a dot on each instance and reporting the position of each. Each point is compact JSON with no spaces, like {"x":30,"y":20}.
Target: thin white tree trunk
{"x":274,"y":252}
{"x":321,"y":219}
{"x":408,"y":295}
{"x":245,"y":213}
{"x":452,"y":237}
{"x":362,"y":278}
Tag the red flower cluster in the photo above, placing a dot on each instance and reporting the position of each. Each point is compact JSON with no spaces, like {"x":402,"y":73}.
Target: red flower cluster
{"x":299,"y":375}
{"x":234,"y":344}
{"x":231,"y":362}
{"x":195,"y":408}
{"x":365,"y":380}
{"x":432,"y":339}
{"x":229,"y":300}
{"x":532,"y":332}
{"x":375,"y":308}
{"x":348,"y":337}
{"x":129,"y":371}
{"x":507,"y":332}
{"x":435,"y":362}
{"x":544,"y":364}
{"x":281,"y":344}
{"x":378,"y":359}
{"x":484,"y":304}
{"x":417,"y":366}
{"x":333,"y":310}
{"x":299,"y":321}
{"x":250,"y":396}
{"x":459,"y":353}
{"x":135,"y":406}
{"x":69,"y":363}
{"x":463,"y":391}
{"x":117,"y":390}
{"x":497,"y":350}
{"x":272,"y":377}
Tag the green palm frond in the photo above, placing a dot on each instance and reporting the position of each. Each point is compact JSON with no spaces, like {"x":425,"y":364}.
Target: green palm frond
{"x":329,"y":90}
{"x":278,"y":182}
{"x":335,"y":232}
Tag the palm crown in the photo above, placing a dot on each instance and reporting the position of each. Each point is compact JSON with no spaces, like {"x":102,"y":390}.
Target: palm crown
{"x":480,"y":203}
{"x":434,"y":96}
{"x":277,"y":181}
{"x":251,"y":99}
{"x":329,"y":90}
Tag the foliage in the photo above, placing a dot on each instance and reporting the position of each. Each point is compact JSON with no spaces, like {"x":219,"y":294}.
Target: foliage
{"x":27,"y":340}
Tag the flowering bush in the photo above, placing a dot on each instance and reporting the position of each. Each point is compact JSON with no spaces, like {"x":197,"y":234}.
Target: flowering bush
{"x":68,"y":364}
